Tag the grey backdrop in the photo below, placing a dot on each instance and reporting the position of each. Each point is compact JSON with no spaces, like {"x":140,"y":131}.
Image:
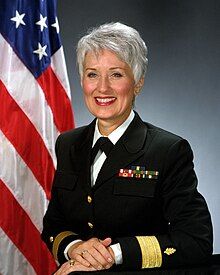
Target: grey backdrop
{"x":182,"y":86}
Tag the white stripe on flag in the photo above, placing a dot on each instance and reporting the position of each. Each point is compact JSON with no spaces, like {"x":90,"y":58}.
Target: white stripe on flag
{"x":59,"y":67}
{"x":20,"y":264}
{"x":21,"y":182}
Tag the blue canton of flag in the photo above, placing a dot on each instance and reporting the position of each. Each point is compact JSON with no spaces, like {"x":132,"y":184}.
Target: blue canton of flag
{"x":36,"y":31}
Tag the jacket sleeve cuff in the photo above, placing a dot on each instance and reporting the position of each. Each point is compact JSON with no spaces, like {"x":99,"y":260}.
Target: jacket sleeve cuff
{"x":60,"y":243}
{"x":68,"y":246}
{"x":117,"y":253}
{"x":131,"y":253}
{"x":150,"y":251}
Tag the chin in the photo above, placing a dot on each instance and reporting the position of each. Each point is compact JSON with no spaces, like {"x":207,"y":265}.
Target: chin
{"x":103,"y":115}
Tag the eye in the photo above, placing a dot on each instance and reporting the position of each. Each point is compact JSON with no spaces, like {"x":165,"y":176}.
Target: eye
{"x":91,"y":75}
{"x":117,"y":75}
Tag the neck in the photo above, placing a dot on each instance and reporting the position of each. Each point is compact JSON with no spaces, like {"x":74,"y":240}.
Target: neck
{"x":106,"y":127}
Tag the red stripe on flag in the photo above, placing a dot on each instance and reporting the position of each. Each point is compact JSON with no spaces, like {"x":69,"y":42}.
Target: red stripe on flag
{"x":57,"y":99}
{"x":27,"y":141}
{"x":27,"y":238}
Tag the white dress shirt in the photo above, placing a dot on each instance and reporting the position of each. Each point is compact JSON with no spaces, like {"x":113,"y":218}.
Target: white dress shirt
{"x":114,"y":137}
{"x":95,"y":168}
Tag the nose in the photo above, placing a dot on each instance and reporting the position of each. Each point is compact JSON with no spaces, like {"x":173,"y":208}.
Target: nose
{"x":103,"y":84}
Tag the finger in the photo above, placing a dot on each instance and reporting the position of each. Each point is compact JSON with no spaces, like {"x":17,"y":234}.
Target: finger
{"x":79,"y":267}
{"x":94,"y":262}
{"x":62,"y":269}
{"x":66,"y":268}
{"x":76,"y":267}
{"x":81,"y":260}
{"x":111,"y":252}
{"x":106,"y":242}
{"x":104,"y":252}
{"x":99,"y":257}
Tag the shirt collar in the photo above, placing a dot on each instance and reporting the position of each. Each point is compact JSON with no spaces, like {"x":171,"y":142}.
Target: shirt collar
{"x":117,"y":133}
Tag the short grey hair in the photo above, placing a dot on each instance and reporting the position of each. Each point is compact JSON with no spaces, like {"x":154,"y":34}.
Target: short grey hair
{"x":121,"y":39}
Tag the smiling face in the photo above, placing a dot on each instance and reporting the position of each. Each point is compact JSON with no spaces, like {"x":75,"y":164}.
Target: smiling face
{"x":109,"y":87}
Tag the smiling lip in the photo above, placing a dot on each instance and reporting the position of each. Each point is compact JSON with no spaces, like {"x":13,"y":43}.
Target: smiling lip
{"x":104,"y":101}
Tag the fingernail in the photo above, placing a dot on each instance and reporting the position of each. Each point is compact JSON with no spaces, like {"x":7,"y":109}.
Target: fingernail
{"x":109,"y":260}
{"x":99,"y":267}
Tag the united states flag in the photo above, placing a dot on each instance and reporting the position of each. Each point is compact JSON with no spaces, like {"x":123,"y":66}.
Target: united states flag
{"x":35,"y":106}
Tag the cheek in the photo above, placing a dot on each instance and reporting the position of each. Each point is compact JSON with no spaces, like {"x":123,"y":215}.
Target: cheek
{"x":87,"y":88}
{"x":126,"y":91}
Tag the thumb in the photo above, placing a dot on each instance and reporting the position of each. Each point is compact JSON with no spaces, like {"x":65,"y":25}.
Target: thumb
{"x":106,"y":242}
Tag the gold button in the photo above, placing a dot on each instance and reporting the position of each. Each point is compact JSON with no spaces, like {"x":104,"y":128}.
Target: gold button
{"x":90,"y":224}
{"x":89,"y":199}
{"x":51,"y":239}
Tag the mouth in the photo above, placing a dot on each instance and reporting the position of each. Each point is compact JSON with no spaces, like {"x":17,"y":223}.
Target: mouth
{"x":105,"y":101}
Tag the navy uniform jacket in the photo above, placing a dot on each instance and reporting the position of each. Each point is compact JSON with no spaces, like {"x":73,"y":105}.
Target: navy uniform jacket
{"x":158,"y":220}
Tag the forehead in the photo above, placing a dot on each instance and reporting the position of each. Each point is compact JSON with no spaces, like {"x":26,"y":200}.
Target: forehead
{"x":103,"y":57}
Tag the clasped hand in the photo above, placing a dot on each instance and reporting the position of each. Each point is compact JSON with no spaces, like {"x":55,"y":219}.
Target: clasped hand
{"x":90,"y":255}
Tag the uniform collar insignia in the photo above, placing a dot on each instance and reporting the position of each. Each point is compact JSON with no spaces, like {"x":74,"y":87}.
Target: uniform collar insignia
{"x":170,"y":251}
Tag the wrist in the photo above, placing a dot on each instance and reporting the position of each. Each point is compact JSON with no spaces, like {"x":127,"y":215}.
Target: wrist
{"x":72,"y":248}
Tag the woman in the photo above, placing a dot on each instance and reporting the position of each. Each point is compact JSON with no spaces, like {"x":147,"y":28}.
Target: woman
{"x":133,"y":201}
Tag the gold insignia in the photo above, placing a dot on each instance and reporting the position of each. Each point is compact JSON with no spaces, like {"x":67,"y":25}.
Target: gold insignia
{"x":59,"y":238}
{"x":150,"y":250}
{"x":90,"y":225}
{"x":89,"y":199}
{"x":170,"y":250}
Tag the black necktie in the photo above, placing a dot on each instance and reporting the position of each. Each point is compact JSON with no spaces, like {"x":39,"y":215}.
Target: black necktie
{"x":104,"y":144}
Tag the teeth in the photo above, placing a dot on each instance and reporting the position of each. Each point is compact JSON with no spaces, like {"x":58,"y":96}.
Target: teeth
{"x":105,"y":100}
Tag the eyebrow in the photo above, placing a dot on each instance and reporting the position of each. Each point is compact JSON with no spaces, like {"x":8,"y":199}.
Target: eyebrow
{"x":112,"y":68}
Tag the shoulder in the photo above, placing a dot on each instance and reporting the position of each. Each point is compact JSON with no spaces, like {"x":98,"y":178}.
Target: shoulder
{"x":72,"y":135}
{"x":165,"y":142}
{"x":162,"y":134}
{"x":152,"y":130}
{"x":152,"y":136}
{"x":75,"y":136}
{"x":160,"y":139}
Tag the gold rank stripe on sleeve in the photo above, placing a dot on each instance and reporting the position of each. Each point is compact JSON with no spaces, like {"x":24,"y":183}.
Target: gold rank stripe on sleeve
{"x":150,"y":250}
{"x":59,"y":238}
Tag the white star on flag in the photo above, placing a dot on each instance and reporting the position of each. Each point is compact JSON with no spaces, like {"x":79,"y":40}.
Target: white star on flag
{"x":41,"y":51}
{"x":42,"y":22}
{"x":18,"y":19}
{"x":56,"y":25}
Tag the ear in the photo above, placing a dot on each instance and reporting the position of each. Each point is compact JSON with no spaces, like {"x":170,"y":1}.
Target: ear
{"x":138,"y":86}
